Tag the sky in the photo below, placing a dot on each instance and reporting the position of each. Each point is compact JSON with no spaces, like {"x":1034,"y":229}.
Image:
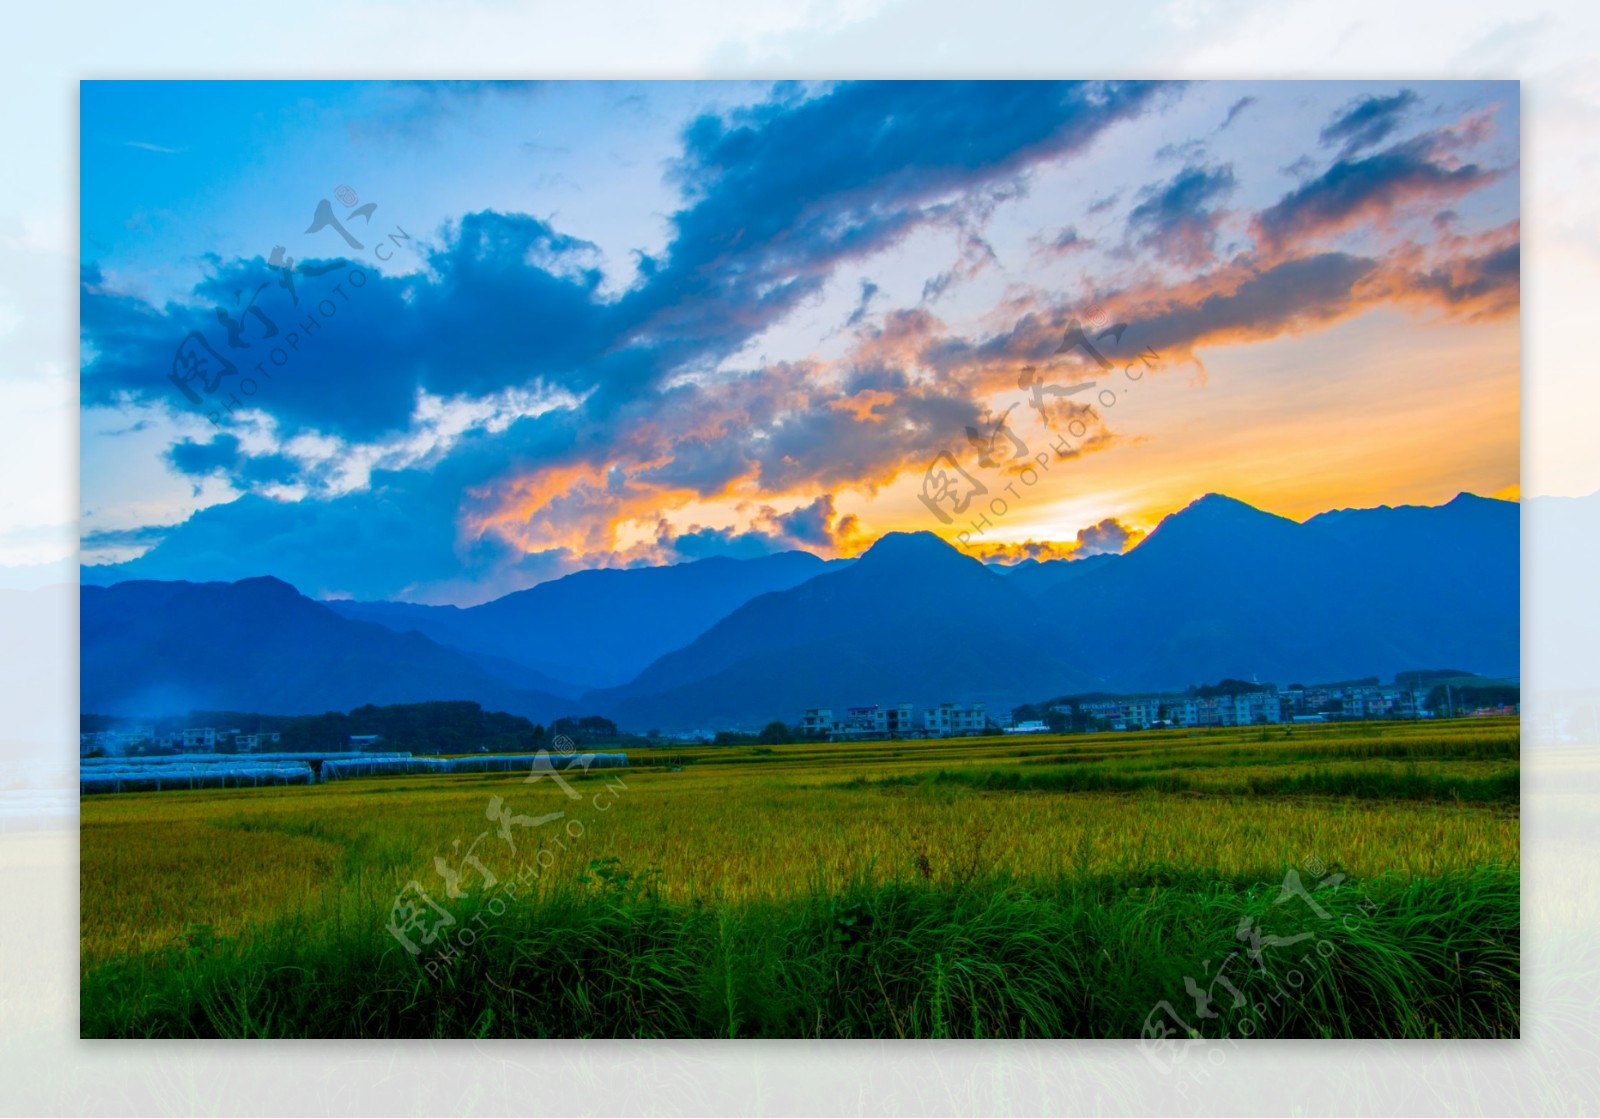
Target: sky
{"x":571,"y":325}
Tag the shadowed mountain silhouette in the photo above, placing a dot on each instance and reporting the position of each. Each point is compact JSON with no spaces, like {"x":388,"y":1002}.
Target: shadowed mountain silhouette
{"x":913,"y":621}
{"x":600,"y":627}
{"x":151,"y":648}
{"x":1219,"y":589}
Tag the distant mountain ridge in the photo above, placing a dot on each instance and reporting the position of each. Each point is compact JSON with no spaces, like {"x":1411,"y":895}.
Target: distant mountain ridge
{"x":912,"y":621}
{"x":151,"y":648}
{"x":599,"y":627}
{"x":1218,"y":589}
{"x":1223,"y":589}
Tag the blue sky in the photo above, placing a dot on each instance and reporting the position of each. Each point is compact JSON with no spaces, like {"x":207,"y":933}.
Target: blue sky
{"x":612,"y":323}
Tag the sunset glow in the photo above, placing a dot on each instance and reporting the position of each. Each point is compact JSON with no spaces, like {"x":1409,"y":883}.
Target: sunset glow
{"x":798,"y":298}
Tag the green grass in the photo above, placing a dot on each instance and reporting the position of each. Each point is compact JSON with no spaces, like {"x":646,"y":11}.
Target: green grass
{"x":1428,"y":958}
{"x":1050,"y":887}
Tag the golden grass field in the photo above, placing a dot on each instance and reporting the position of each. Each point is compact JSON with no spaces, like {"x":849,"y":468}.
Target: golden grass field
{"x":734,"y":827}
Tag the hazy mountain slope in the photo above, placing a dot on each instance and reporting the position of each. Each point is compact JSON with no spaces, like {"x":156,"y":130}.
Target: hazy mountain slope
{"x":260,"y":645}
{"x":600,"y":627}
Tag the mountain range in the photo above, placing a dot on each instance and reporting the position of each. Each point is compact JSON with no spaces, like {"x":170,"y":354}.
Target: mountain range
{"x":151,"y":648}
{"x":596,"y":628}
{"x":1218,"y":589}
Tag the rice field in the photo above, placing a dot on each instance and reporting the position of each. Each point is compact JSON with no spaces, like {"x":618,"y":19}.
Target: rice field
{"x":1013,"y":886}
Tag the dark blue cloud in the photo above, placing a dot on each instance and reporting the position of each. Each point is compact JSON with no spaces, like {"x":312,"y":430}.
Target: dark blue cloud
{"x":705,"y":542}
{"x":1234,"y":110}
{"x":810,"y":524}
{"x":869,"y":291}
{"x":222,"y":455}
{"x":347,"y":351}
{"x":1492,"y":280}
{"x":1367,"y":122}
{"x":783,"y":192}
{"x":778,"y":195}
{"x":1293,"y":294}
{"x":1177,"y":219}
{"x":809,"y":528}
{"x":1368,"y":188}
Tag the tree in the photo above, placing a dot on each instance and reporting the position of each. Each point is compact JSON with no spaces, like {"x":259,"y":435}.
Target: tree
{"x":776,"y":733}
{"x":589,"y":728}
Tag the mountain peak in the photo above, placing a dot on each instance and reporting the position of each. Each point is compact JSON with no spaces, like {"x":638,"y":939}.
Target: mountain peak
{"x":913,"y":546}
{"x":1218,"y":510}
{"x":267,"y":584}
{"x":1214,"y":503}
{"x":1213,"y":520}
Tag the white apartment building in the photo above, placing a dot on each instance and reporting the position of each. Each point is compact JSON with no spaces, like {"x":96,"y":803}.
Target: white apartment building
{"x":895,"y":721}
{"x":200,"y":738}
{"x":817,"y":722}
{"x":949,"y":719}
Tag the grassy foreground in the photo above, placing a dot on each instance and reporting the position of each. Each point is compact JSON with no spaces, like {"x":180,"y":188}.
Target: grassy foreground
{"x":1342,"y":881}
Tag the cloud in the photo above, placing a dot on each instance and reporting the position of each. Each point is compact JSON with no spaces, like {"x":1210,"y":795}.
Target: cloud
{"x":1008,"y":553}
{"x":1176,"y":219}
{"x":219,"y":454}
{"x":1253,"y":298}
{"x":421,"y":109}
{"x":1371,"y":189}
{"x":497,"y":416}
{"x":1186,"y":151}
{"x":791,"y":430}
{"x":1108,"y":537}
{"x":389,"y":542}
{"x":1234,"y":110}
{"x":869,"y":291}
{"x":145,"y":536}
{"x":222,"y":456}
{"x":1478,"y":282}
{"x":976,"y":255}
{"x":1243,"y":302}
{"x":814,"y":527}
{"x":1062,"y":242}
{"x":507,"y":300}
{"x":1367,"y":121}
